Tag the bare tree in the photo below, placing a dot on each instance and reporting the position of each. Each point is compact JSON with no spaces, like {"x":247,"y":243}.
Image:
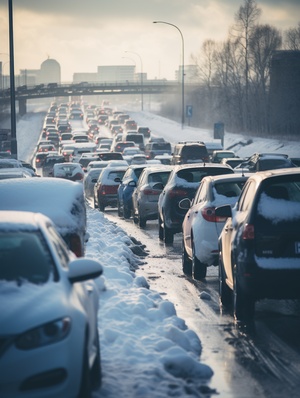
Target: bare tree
{"x":263,"y":42}
{"x":292,"y":38}
{"x":246,"y":19}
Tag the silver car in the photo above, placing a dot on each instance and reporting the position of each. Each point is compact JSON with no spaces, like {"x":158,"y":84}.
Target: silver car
{"x":148,"y":188}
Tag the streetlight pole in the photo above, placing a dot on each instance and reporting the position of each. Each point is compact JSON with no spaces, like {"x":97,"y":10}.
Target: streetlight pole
{"x":142,"y":84}
{"x":182,"y":67}
{"x":14,"y":149}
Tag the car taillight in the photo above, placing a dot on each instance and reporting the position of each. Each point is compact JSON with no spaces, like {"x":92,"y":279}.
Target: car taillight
{"x":173,"y":193}
{"x":75,"y":245}
{"x":151,"y":192}
{"x":248,"y":233}
{"x":208,"y":213}
{"x":78,"y":176}
{"x":108,"y":189}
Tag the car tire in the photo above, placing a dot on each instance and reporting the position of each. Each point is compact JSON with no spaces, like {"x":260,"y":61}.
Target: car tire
{"x":141,"y":221}
{"x":96,"y":371}
{"x":120,"y":212}
{"x":186,"y":261}
{"x":225,"y":293}
{"x":243,"y":304}
{"x":126,"y":212}
{"x":199,"y":269}
{"x":168,"y":235}
{"x":85,"y":385}
{"x":160,"y":229}
{"x":101,"y":207}
{"x":95,"y":203}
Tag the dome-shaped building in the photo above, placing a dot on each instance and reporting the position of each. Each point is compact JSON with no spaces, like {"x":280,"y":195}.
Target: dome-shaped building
{"x":50,"y":72}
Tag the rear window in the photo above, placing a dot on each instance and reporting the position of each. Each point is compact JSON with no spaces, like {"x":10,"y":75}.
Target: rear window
{"x":270,"y":164}
{"x":196,"y":175}
{"x":136,"y":138}
{"x":115,"y":174}
{"x":194,"y":152}
{"x":161,"y":146}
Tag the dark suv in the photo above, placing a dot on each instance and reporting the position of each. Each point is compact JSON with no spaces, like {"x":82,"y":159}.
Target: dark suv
{"x":49,"y":162}
{"x":183,"y":183}
{"x":155,"y":148}
{"x":266,"y":161}
{"x":190,"y":152}
{"x":259,"y":245}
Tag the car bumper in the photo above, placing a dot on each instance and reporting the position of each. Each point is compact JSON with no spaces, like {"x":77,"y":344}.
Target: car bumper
{"x":49,"y":371}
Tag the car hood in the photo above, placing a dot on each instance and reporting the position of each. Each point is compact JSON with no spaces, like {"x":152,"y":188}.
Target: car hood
{"x":27,"y":306}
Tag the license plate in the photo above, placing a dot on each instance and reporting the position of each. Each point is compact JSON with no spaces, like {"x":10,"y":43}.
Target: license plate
{"x":297,"y":247}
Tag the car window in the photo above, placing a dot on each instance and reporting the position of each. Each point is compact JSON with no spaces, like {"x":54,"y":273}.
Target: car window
{"x":247,"y":196}
{"x":60,"y":247}
{"x":200,"y":193}
{"x":24,"y":256}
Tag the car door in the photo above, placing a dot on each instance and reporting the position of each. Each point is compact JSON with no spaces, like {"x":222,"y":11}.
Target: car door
{"x":232,"y":227}
{"x":192,"y":214}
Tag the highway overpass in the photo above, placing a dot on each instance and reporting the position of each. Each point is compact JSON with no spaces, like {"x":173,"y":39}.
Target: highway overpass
{"x":24,"y":93}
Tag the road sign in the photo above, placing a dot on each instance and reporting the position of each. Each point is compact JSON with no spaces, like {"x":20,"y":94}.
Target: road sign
{"x":189,"y":111}
{"x":219,"y":130}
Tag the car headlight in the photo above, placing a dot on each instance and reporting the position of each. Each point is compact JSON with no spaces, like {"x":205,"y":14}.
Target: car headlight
{"x":48,"y":333}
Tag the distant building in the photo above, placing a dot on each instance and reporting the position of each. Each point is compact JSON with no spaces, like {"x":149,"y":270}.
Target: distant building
{"x":191,"y":74}
{"x":49,"y":72}
{"x":29,"y":77}
{"x":116,"y":73}
{"x":85,"y":77}
{"x":285,"y":92}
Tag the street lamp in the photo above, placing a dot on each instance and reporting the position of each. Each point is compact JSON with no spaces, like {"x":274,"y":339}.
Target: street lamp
{"x":14,"y":149}
{"x":182,"y":77}
{"x":142,"y":85}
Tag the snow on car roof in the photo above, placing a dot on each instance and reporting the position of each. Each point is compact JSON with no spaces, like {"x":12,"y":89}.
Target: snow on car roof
{"x":52,"y":197}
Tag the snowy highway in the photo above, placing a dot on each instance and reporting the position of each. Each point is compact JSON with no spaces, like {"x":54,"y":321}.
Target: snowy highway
{"x":263,"y":361}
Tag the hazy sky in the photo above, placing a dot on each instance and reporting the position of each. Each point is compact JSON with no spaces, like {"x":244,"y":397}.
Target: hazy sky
{"x":81,"y":35}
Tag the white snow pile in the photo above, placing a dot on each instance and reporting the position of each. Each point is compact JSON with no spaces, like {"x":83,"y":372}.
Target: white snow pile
{"x":146,"y":350}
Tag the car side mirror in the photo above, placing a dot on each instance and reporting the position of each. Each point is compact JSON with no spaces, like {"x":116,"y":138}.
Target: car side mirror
{"x":132,"y":184}
{"x":94,"y":180}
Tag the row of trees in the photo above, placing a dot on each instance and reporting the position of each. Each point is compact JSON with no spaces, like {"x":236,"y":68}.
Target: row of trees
{"x":234,"y":75}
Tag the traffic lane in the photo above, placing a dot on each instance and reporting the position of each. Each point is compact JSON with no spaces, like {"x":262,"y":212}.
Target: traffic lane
{"x":262,"y":360}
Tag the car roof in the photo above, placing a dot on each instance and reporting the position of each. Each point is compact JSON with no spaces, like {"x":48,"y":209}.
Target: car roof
{"x":228,"y":177}
{"x":261,"y":175}
{"x":50,"y":196}
{"x":21,"y":220}
{"x":200,"y":165}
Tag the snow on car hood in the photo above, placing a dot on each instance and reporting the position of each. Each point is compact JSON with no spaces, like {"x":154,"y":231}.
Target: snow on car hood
{"x":27,"y":306}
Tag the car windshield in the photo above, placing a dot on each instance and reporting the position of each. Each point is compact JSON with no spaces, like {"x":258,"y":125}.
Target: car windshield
{"x":24,"y":257}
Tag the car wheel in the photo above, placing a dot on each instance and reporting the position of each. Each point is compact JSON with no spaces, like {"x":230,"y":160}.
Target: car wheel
{"x":160,"y":229}
{"x":96,"y":372}
{"x":126,"y":212}
{"x":141,"y":221}
{"x":168,"y":235}
{"x":85,"y":386}
{"x":120,"y":212}
{"x":101,"y":207}
{"x":198,"y":268}
{"x":243,"y":304}
{"x":225,"y":292}
{"x":186,"y":261}
{"x":95,"y":203}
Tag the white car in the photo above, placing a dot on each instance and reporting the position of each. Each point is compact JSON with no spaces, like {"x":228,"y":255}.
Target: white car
{"x":68,"y":170}
{"x":90,"y":179}
{"x":48,"y":312}
{"x":201,"y":228}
